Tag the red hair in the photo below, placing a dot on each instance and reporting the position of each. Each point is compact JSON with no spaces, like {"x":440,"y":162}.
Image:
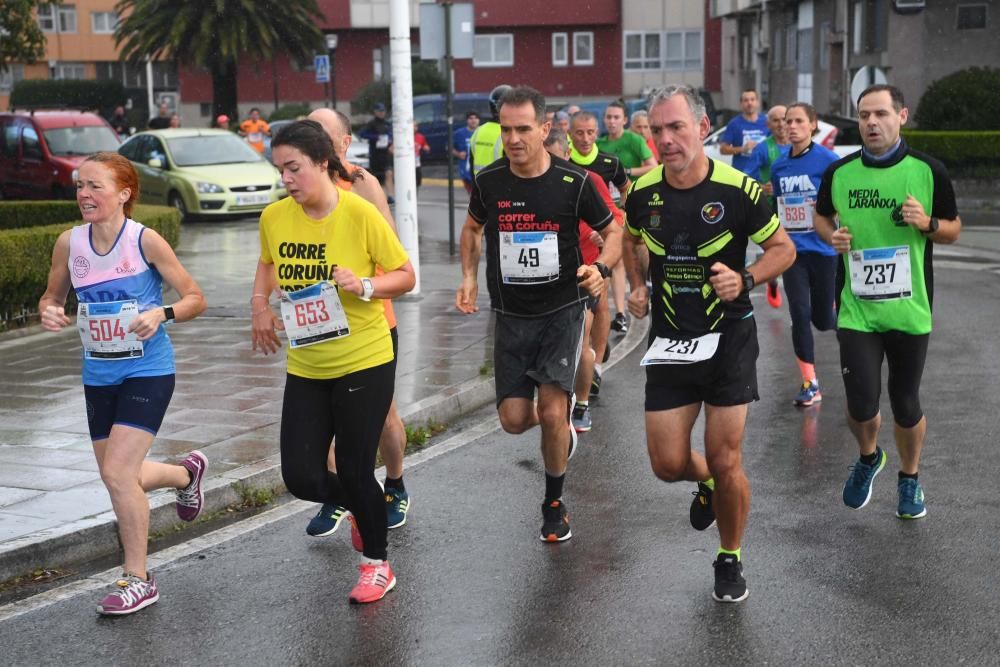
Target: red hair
{"x":123,"y":173}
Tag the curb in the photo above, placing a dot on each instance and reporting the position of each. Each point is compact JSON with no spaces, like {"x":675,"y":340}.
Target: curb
{"x":97,"y":536}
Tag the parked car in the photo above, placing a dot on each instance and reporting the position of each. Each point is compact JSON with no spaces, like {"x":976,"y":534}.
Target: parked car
{"x":429,"y":114}
{"x":828,"y":135}
{"x":202,"y":172}
{"x":357,"y":152}
{"x":39,"y":151}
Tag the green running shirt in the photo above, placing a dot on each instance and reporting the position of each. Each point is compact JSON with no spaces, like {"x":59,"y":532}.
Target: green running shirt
{"x":867,"y":198}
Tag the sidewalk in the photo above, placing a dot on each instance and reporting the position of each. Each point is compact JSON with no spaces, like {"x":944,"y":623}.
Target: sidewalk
{"x":54,"y":509}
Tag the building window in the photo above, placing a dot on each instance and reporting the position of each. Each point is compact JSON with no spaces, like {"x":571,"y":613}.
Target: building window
{"x":103,"y":23}
{"x":670,"y":50}
{"x":824,"y":45}
{"x":683,"y":50}
{"x":583,"y":48}
{"x":11,"y":76}
{"x":859,"y":27}
{"x":377,"y":64}
{"x":494,"y":50}
{"x":971,"y":17}
{"x":47,"y":18}
{"x":69,"y":71}
{"x":642,"y":50}
{"x":560,"y":49}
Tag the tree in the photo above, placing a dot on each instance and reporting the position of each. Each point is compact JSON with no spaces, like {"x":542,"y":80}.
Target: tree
{"x":21,"y":40}
{"x":219,"y":35}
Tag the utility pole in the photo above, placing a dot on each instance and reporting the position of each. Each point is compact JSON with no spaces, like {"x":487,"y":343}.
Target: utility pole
{"x":402,"y":132}
{"x":449,"y":110}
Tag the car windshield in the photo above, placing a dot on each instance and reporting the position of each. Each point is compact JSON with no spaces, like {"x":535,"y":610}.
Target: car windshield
{"x":211,"y":149}
{"x":81,"y":140}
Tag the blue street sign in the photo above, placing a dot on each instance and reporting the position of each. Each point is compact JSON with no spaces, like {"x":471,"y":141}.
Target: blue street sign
{"x":322,"y":66}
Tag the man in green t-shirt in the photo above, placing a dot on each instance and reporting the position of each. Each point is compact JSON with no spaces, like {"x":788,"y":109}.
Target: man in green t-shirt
{"x":635,"y":156}
{"x":893,"y":204}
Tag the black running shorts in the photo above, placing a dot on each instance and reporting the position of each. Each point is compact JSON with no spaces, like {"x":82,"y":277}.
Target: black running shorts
{"x":728,"y":378}
{"x":138,"y":402}
{"x":530,"y":351}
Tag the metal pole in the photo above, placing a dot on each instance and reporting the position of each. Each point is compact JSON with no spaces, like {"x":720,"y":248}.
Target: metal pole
{"x":149,"y":87}
{"x":402,"y":132}
{"x":449,"y":112}
{"x":333,"y":77}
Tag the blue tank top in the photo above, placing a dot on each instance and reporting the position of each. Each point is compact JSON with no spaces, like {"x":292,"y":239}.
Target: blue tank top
{"x":121,"y":274}
{"x":800,"y":175}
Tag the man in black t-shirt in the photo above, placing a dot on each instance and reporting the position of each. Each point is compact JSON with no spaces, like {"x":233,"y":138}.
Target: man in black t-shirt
{"x":378,"y":132}
{"x":529,"y":205}
{"x":694,"y":216}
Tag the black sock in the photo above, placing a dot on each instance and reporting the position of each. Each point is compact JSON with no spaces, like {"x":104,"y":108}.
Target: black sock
{"x":906,"y":475}
{"x":869,"y":459}
{"x":397,"y":484}
{"x":553,"y":487}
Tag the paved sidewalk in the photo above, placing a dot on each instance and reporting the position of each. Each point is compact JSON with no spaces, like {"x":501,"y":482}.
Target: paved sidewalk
{"x":54,"y":509}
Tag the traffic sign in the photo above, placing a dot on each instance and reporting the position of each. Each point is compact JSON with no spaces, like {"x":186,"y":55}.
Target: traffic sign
{"x":322,"y":66}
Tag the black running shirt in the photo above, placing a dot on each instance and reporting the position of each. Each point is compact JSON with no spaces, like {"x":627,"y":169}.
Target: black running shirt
{"x":532,"y":234}
{"x":686,"y":232}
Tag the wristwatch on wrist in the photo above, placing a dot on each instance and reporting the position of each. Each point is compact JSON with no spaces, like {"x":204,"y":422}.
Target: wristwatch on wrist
{"x":168,"y":313}
{"x":748,"y":281}
{"x":603,"y":269}
{"x":367,"y":289}
{"x":932,"y":227}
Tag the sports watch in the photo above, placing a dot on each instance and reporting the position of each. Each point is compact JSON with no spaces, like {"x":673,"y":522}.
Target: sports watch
{"x":932,"y":227}
{"x":168,"y":313}
{"x":602,"y":268}
{"x":748,"y":281}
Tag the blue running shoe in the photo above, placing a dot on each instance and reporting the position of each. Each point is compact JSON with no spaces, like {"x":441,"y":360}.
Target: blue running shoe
{"x":581,"y":418}
{"x":911,"y":499}
{"x":397,"y":504}
{"x":858,"y":489}
{"x":327,"y":520}
{"x":808,"y":394}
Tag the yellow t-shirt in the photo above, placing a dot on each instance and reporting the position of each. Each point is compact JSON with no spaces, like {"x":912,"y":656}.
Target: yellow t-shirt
{"x":303,"y":251}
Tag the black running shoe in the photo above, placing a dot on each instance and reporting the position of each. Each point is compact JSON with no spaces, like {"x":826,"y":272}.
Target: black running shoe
{"x":619,"y":324}
{"x":595,"y":386}
{"x":702,"y":512}
{"x":555,"y":522}
{"x":730,"y":586}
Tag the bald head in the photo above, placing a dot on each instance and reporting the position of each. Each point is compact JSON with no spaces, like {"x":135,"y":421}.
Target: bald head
{"x":776,"y":122}
{"x":337,"y":126}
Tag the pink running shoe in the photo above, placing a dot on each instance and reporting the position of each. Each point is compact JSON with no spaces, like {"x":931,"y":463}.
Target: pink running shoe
{"x":356,"y":540}
{"x":130,"y":595}
{"x":191,"y":499}
{"x":375,"y":581}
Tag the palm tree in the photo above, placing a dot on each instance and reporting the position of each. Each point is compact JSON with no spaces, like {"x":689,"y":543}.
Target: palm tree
{"x":219,"y":35}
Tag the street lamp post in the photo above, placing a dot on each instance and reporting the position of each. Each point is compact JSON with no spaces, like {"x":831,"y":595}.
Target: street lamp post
{"x":331,"y":47}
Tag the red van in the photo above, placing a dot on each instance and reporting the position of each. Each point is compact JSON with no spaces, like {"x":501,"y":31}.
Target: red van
{"x":40,"y":149}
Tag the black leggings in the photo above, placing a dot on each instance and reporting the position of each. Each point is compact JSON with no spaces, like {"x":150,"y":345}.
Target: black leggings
{"x":809,"y":284}
{"x":352,"y":408}
{"x":861,"y":355}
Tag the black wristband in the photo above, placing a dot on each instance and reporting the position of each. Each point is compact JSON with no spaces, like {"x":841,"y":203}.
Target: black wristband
{"x":748,"y":280}
{"x":932,"y":227}
{"x":603,"y":269}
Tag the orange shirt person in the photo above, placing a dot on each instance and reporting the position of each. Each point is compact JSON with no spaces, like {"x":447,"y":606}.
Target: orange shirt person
{"x":254,"y":129}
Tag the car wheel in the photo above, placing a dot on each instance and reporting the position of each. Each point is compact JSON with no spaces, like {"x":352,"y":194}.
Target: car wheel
{"x":177,"y":202}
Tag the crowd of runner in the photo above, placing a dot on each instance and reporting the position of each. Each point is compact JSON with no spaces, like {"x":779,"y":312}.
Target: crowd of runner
{"x":580,"y":229}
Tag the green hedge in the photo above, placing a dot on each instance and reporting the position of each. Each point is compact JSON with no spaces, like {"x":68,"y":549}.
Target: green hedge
{"x":28,"y":257}
{"x":19,"y":214}
{"x":957,"y":149}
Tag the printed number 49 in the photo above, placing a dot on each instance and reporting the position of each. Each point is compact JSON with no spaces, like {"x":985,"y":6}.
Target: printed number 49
{"x":528,"y":257}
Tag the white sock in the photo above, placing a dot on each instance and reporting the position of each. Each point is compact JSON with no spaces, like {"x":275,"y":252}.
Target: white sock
{"x":371,"y":561}
{"x":599,"y":368}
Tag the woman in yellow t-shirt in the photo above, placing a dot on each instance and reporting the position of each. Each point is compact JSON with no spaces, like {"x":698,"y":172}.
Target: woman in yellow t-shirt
{"x":322,"y":245}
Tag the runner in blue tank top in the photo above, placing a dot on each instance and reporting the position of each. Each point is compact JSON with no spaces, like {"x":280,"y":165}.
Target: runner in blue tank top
{"x":809,"y":282}
{"x":116,"y":268}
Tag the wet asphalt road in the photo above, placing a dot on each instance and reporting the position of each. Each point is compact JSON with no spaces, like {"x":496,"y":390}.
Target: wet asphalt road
{"x":828,"y":585}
